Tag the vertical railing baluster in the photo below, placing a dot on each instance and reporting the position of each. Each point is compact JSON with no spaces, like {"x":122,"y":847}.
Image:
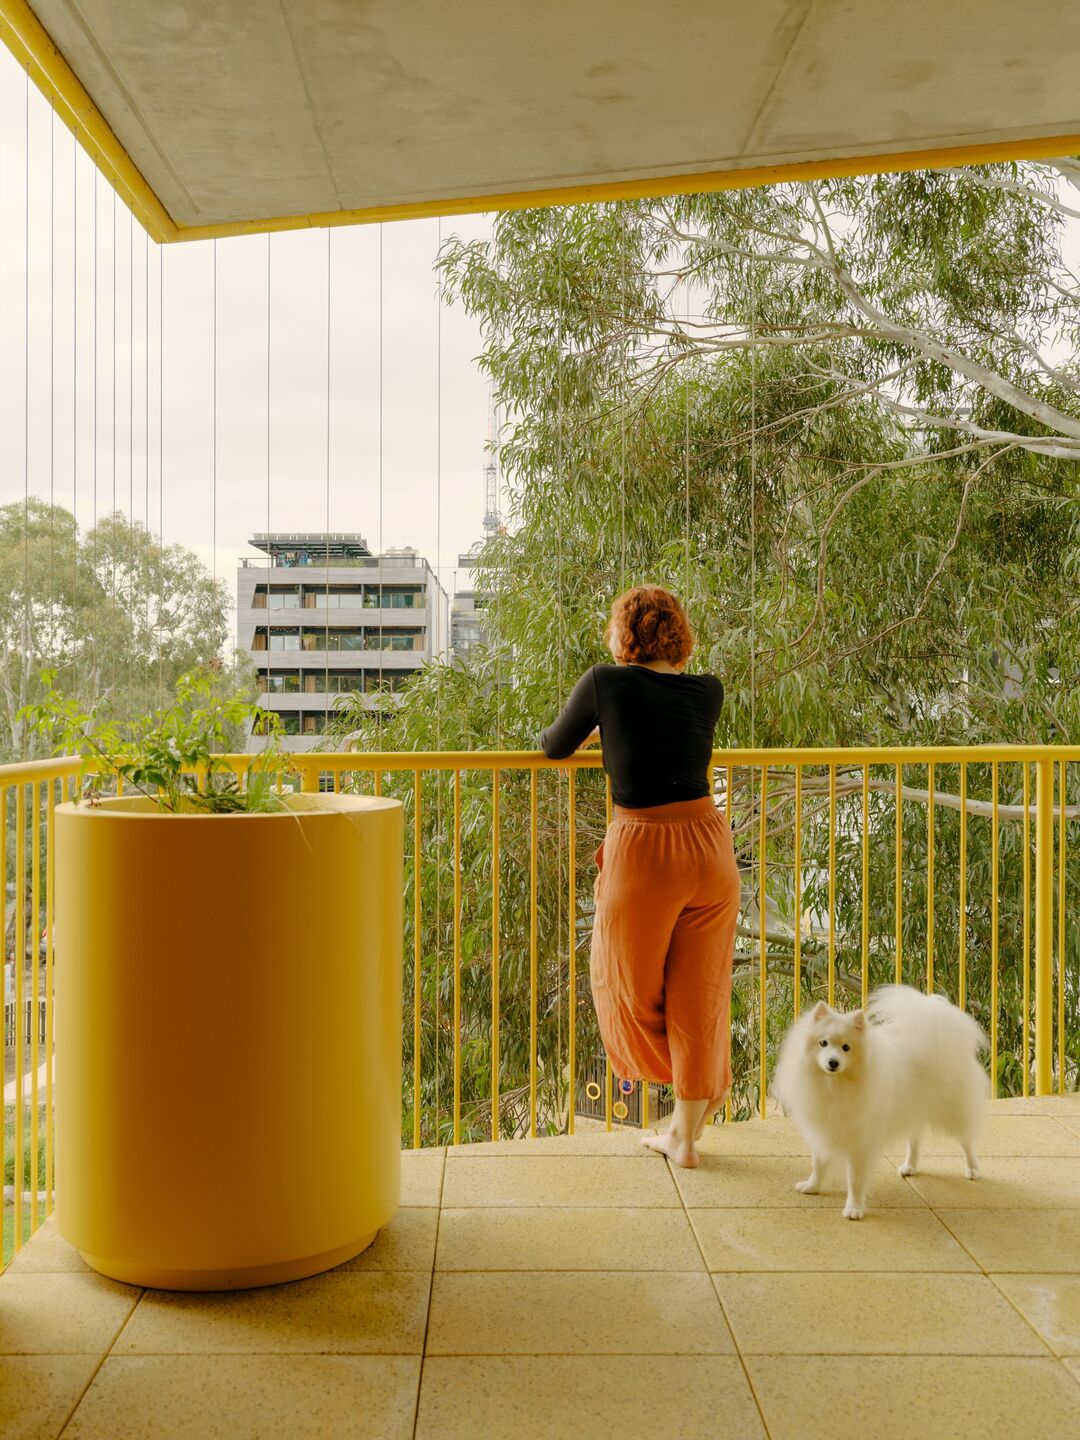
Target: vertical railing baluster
{"x":931,"y":781}
{"x":50,"y":901}
{"x":495,"y":900}
{"x":35,"y":996}
{"x":571,"y":820}
{"x":20,"y":1002}
{"x":727,"y":806}
{"x":763,"y":1029}
{"x":1026,"y":941}
{"x":995,"y":865}
{"x":899,"y":876}
{"x":865,"y":958}
{"x":417,"y":951}
{"x":1061,"y":932}
{"x":833,"y":889}
{"x":533,"y":974}
{"x":3,"y":962}
{"x":1044,"y":925}
{"x":962,"y":912}
{"x":797,"y":997}
{"x":607,"y":1061}
{"x":457,"y":957}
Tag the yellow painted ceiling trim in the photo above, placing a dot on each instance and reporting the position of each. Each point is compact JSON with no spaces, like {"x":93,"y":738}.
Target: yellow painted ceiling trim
{"x":32,"y":47}
{"x":655,"y":186}
{"x":26,"y":38}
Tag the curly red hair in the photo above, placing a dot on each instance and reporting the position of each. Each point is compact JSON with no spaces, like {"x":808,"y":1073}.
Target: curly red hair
{"x":647,"y":624}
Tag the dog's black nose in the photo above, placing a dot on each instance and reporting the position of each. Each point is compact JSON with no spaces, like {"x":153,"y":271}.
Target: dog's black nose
{"x":834,"y":1064}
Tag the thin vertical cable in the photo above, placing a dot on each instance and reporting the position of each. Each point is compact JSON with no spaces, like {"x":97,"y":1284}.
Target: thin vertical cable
{"x":214,"y":419}
{"x":379,"y":562}
{"x":25,"y":659}
{"x":130,"y":618}
{"x":113,"y":535}
{"x":159,"y":598}
{"x":326,"y":580}
{"x":76,"y":637}
{"x":52,"y":380}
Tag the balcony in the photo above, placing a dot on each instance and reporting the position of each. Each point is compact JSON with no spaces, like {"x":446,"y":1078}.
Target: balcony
{"x":546,"y":1275}
{"x":578,"y":1286}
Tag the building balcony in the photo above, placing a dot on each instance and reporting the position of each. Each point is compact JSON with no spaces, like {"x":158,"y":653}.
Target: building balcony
{"x":548,"y":1276}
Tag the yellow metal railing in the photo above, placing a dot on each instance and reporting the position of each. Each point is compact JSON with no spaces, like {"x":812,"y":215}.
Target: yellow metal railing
{"x":816,"y":831}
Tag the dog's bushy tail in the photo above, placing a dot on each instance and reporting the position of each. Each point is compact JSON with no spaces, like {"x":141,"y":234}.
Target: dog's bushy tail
{"x":940,"y":1023}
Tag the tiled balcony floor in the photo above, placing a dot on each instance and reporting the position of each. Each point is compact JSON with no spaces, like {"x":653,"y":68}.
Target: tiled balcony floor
{"x":580,"y":1288}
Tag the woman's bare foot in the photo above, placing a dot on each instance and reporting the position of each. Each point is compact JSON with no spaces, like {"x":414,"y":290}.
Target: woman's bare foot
{"x":678,"y":1149}
{"x":679,"y":1141}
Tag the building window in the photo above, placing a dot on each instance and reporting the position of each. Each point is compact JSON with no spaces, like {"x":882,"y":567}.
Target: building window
{"x":394,"y":638}
{"x":336,"y":598}
{"x":394,"y":597}
{"x":281,"y":684}
{"x":284,"y":640}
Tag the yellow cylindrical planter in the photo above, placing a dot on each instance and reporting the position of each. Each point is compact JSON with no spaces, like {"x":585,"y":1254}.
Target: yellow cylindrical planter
{"x":228,"y":1038}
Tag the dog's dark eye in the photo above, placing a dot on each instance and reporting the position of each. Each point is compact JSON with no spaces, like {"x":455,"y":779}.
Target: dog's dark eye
{"x":823,"y":1042}
{"x":845,"y":1047}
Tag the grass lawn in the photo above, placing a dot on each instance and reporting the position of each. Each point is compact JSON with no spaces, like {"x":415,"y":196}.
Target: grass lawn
{"x":27,"y":1176}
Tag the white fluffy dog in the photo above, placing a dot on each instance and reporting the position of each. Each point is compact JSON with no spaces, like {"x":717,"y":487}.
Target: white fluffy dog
{"x":855,"y":1083}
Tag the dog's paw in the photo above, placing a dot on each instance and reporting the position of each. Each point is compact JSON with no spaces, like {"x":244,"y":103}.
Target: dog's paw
{"x":806,"y":1187}
{"x":906,"y":1169}
{"x":853,"y":1211}
{"x":972,"y":1172}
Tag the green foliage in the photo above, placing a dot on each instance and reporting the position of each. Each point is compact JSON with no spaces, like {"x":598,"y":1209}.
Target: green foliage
{"x":174,"y":754}
{"x":692,"y":399}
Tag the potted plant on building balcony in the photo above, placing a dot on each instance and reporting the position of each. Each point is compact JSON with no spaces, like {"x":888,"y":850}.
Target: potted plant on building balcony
{"x":228,"y":1004}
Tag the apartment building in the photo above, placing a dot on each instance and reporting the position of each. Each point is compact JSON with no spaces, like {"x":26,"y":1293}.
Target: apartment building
{"x":321,"y":617}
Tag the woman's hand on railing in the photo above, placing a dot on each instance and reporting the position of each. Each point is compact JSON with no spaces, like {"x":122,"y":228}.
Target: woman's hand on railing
{"x":593,"y":739}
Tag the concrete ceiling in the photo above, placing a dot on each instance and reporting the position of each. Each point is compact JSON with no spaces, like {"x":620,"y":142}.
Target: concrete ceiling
{"x":264,"y":111}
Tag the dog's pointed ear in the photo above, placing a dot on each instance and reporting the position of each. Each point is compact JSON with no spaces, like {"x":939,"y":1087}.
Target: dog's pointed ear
{"x":858,"y":1019}
{"x":820,"y":1011}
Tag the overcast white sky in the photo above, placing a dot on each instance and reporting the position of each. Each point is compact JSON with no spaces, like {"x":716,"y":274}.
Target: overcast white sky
{"x":429,"y":426}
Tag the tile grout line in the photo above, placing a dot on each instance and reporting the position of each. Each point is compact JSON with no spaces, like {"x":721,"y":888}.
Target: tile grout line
{"x":720,"y":1302}
{"x":431,"y":1296}
{"x":101,"y":1361}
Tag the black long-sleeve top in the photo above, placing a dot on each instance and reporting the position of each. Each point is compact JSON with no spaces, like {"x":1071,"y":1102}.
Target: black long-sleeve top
{"x":656,"y":730}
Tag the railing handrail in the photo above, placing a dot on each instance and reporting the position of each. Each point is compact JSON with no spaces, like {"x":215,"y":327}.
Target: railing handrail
{"x":64,"y":766}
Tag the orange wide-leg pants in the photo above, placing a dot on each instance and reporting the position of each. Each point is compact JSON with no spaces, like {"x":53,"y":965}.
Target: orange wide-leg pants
{"x":667,"y":899}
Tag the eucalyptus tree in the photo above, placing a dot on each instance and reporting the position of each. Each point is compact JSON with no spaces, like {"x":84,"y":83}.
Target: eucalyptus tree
{"x":843,"y":420}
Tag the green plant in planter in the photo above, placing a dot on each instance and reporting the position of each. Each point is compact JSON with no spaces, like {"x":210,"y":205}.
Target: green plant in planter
{"x":174,"y":755}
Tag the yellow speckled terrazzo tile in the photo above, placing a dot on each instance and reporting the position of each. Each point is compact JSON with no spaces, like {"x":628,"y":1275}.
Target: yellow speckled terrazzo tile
{"x":892,"y":1397}
{"x":1073,"y":1367}
{"x":422,"y":1176}
{"x":338,"y":1313}
{"x":1008,"y":1182}
{"x":1051,"y":1303}
{"x":407,"y":1243}
{"x":568,"y":1313}
{"x":46,"y":1251}
{"x":1011,"y":1135}
{"x":39,"y":1392}
{"x":540,"y":1397}
{"x":868,"y":1314}
{"x":753,"y":1137}
{"x":769,"y":1181}
{"x":61,"y":1314}
{"x":557,"y":1180}
{"x":1031,"y":1240}
{"x":558,"y":1238}
{"x":210,"y":1397}
{"x":823,"y":1240}
{"x":1065,"y":1107}
{"x":588,"y":1142}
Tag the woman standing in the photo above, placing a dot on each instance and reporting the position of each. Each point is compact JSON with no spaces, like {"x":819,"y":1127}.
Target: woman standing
{"x":667,"y":892}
